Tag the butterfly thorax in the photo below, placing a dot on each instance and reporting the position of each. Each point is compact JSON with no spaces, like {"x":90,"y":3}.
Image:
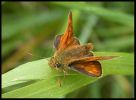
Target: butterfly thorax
{"x":75,"y":52}
{"x":57,"y":61}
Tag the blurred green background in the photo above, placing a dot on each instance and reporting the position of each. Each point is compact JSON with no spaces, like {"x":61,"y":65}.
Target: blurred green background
{"x":29,"y":28}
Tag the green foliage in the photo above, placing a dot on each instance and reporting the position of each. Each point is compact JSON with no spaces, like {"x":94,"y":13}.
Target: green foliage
{"x":105,"y":13}
{"x":28,"y":31}
{"x":46,"y":84}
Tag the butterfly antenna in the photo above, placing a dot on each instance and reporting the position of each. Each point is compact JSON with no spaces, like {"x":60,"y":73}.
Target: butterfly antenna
{"x":35,"y":55}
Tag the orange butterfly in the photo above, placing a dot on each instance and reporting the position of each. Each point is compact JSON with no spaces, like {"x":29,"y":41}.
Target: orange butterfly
{"x":70,"y":54}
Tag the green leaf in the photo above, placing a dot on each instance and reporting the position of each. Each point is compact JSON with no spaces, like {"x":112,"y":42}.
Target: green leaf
{"x":111,"y":15}
{"x":88,"y":28}
{"x":117,"y":43}
{"x":47,"y":84}
{"x":28,"y":21}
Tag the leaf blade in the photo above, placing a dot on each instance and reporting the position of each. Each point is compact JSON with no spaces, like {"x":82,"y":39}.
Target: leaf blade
{"x":48,"y":87}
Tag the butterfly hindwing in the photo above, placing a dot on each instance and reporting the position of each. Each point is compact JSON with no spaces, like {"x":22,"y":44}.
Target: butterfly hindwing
{"x":57,"y":41}
{"x":92,"y":68}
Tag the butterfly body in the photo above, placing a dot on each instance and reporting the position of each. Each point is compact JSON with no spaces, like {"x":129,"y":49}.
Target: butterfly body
{"x":67,"y":56}
{"x":70,"y":54}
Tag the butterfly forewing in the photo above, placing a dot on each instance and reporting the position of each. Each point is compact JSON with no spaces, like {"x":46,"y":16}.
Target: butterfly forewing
{"x":74,"y":41}
{"x":92,"y":58}
{"x":67,"y":39}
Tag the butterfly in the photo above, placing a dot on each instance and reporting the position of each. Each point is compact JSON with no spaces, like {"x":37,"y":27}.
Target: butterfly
{"x":69,"y":54}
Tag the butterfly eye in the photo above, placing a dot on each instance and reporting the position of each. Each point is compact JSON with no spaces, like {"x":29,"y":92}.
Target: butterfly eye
{"x":58,"y":65}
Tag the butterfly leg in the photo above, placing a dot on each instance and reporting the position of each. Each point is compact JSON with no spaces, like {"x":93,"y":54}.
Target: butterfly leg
{"x":65,"y":72}
{"x":59,"y":82}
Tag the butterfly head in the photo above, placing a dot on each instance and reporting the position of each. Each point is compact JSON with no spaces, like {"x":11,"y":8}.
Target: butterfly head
{"x":54,"y":63}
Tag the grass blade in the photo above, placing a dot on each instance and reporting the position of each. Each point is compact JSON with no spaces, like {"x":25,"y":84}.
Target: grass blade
{"x":48,"y":87}
{"x":111,"y":15}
